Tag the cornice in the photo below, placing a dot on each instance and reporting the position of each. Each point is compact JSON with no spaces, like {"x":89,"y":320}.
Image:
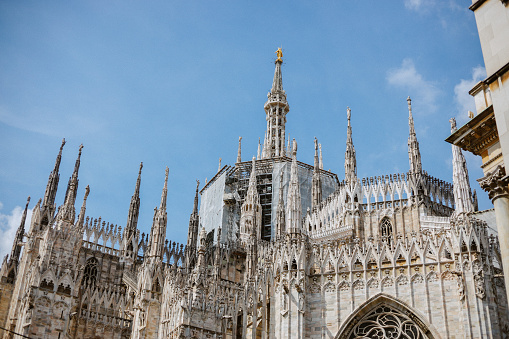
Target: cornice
{"x":476,"y":5}
{"x":477,"y":134}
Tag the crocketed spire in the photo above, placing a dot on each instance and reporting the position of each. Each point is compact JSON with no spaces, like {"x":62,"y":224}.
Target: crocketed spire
{"x":463,"y":199}
{"x":350,"y":159}
{"x":52,"y":186}
{"x":251,"y":210}
{"x":18,"y":239}
{"x":67,"y":211}
{"x":134,"y":211}
{"x":413,"y":145}
{"x":316,"y":182}
{"x":293,"y":202}
{"x":158,"y":231}
{"x":280,"y":211}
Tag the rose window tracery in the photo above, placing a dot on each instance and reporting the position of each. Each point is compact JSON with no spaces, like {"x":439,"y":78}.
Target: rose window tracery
{"x":386,"y":323}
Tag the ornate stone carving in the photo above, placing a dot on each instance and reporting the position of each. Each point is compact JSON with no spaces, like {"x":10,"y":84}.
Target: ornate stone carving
{"x":495,"y":183}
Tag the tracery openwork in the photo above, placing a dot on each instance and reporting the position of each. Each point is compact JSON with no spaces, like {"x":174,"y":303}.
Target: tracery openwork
{"x":386,"y":227}
{"x":386,"y":322}
{"x":90,"y":272}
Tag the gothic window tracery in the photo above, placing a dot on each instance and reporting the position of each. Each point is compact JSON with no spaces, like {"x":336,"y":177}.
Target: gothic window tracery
{"x":385,"y":322}
{"x":90,"y":272}
{"x":386,"y":227}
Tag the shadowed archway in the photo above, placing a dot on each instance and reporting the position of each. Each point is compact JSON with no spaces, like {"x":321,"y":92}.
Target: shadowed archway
{"x":383,"y":316}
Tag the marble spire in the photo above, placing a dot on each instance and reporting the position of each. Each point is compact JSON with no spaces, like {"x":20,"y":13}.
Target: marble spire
{"x":316,"y":183}
{"x":293,"y":201}
{"x":463,"y":199}
{"x":52,"y":186}
{"x":414,"y":155}
{"x":68,"y":211}
{"x":134,"y":211}
{"x":158,"y":231}
{"x":239,"y":157}
{"x":350,"y":159}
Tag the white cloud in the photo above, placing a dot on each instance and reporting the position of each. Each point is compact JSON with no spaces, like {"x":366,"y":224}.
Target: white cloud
{"x":9,"y":223}
{"x":422,"y":91}
{"x":413,"y":4}
{"x":465,"y":102}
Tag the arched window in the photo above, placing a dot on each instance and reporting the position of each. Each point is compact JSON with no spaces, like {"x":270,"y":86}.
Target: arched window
{"x":386,"y":227}
{"x":386,"y":322}
{"x":90,"y":274}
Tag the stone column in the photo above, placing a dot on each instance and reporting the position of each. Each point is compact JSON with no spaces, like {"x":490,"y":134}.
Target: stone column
{"x":496,"y":184}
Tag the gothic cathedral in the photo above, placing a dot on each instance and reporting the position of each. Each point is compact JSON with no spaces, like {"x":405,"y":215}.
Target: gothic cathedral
{"x":276,"y":248}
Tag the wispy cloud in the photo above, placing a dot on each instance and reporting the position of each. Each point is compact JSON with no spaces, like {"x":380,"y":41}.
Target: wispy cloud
{"x":413,"y":4}
{"x":9,"y":223}
{"x":51,"y":123}
{"x":424,"y":92}
{"x":465,"y":102}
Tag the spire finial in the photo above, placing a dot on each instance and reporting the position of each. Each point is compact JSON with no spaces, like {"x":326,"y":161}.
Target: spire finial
{"x":219,"y":167}
{"x":279,"y":54}
{"x":81,"y":217}
{"x":453,"y":125}
{"x":165,"y":189}
{"x":239,"y":158}
{"x":138,"y":181}
{"x":294,"y":149}
{"x":317,"y":161}
{"x":259,"y":150}
{"x":195,"y":207}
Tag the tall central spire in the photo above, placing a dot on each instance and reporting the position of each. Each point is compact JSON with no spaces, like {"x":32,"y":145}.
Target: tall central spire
{"x":276,"y":109}
{"x":414,"y":155}
{"x":350,"y":160}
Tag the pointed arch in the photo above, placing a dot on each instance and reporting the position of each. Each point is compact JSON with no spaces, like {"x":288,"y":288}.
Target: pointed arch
{"x":363,"y":322}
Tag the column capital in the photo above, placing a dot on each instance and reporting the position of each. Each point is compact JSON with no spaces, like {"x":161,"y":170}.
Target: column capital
{"x":495,"y":183}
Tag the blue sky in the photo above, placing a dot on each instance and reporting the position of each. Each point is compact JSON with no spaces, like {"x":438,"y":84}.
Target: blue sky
{"x":175,"y":83}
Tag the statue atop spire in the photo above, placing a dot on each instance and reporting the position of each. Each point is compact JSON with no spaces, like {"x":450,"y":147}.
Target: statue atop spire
{"x":413,"y":145}
{"x":463,"y":198}
{"x":350,"y":159}
{"x":279,"y":54}
{"x":276,"y":109}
